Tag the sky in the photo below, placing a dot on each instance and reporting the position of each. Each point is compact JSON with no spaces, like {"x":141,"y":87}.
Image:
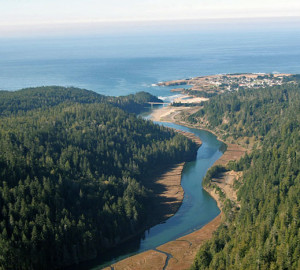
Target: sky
{"x":17,"y":14}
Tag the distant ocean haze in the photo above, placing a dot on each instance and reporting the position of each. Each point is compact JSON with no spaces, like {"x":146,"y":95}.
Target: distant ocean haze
{"x":122,"y":64}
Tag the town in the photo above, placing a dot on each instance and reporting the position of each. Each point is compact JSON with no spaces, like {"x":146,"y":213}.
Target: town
{"x":220,"y":83}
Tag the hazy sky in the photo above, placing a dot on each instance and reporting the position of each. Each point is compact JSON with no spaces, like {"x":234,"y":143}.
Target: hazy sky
{"x":15,"y":12}
{"x":62,"y":17}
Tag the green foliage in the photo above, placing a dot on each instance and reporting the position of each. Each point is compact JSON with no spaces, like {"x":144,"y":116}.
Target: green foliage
{"x":43,"y":97}
{"x":134,"y":103}
{"x":265,"y":232}
{"x":249,"y":112}
{"x":292,"y":78}
{"x":72,"y":175}
{"x":182,"y":104}
{"x":143,"y":97}
{"x":204,"y":94}
{"x":212,"y":173}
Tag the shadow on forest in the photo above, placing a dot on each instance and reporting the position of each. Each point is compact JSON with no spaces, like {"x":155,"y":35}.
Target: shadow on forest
{"x":158,"y":208}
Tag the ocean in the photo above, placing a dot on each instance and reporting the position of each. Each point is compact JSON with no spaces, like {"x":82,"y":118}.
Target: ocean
{"x":123,"y":63}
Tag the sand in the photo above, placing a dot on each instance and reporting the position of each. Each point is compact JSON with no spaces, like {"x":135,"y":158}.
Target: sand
{"x":180,"y":253}
{"x":189,"y":99}
{"x":161,"y":113}
{"x":169,"y":113}
{"x":174,"y":255}
{"x":167,"y":194}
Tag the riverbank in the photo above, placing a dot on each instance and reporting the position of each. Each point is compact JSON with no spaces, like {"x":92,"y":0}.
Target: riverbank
{"x":174,"y":255}
{"x":167,"y":194}
{"x":170,"y":114}
{"x":180,"y":253}
{"x":233,"y":151}
{"x":167,"y":190}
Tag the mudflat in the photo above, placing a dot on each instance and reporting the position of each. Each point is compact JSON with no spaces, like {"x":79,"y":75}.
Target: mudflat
{"x":180,"y":253}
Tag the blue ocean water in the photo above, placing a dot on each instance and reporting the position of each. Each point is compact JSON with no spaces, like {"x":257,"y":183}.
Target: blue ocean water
{"x":122,"y":64}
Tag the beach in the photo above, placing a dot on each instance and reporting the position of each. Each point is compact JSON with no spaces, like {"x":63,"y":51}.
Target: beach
{"x":169,"y":113}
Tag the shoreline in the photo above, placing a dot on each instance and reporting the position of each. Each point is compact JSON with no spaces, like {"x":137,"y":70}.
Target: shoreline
{"x":233,"y":151}
{"x":172,"y":197}
{"x":179,"y":253}
{"x":220,"y":83}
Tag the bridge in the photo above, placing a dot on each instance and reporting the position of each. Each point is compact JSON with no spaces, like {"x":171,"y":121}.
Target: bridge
{"x":158,"y":103}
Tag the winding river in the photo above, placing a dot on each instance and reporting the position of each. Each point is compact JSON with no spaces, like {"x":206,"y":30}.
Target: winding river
{"x":197,"y":208}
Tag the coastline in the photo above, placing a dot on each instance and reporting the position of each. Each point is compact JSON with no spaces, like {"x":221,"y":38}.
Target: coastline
{"x":180,"y":253}
{"x":220,"y":83}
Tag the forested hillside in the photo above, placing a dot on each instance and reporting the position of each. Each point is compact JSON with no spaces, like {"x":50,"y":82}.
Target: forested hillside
{"x":248,"y":112}
{"x":265,"y":232}
{"x":48,"y":96}
{"x":72,"y":172}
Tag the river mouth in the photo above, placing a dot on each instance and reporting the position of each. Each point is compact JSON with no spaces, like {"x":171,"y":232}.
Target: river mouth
{"x":197,"y":208}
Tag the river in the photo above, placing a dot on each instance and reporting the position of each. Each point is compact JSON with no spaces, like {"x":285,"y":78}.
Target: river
{"x":197,"y":209}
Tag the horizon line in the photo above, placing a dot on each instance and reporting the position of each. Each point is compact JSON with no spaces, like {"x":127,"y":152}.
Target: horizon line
{"x":85,"y":22}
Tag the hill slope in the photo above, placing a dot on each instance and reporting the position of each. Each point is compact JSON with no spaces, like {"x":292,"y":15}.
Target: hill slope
{"x":264,"y":233}
{"x":71,"y":175}
{"x":48,"y":96}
